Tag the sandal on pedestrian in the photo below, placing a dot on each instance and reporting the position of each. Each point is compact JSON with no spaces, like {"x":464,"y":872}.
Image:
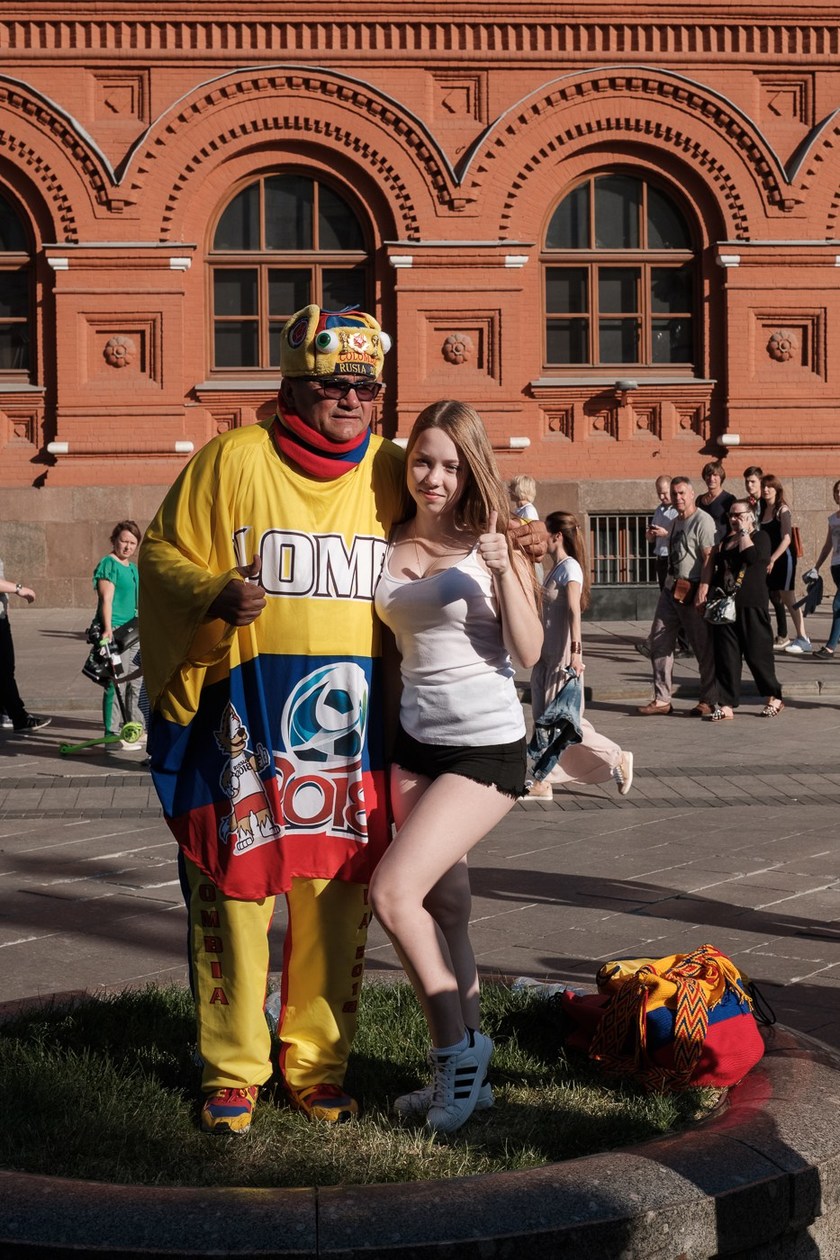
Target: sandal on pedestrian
{"x":719,"y":714}
{"x":772,"y":710}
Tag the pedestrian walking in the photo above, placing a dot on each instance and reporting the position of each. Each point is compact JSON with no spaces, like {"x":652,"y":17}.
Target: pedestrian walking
{"x":741,"y":562}
{"x":565,"y":596}
{"x":831,"y":547}
{"x":21,"y":721}
{"x":777,"y":522}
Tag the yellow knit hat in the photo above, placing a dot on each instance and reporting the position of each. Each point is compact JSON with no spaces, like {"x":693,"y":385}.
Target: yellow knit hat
{"x":332,"y":343}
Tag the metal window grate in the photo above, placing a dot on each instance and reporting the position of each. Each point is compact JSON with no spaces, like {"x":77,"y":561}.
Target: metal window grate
{"x":620,"y":553}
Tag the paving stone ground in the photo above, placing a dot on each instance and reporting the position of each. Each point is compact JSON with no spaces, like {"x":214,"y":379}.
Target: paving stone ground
{"x":728,"y":835}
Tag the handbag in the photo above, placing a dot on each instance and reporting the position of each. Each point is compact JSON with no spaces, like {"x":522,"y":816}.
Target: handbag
{"x":684,"y":590}
{"x":796,"y":542}
{"x":721,"y":610}
{"x":672,"y":1023}
{"x":102,"y":664}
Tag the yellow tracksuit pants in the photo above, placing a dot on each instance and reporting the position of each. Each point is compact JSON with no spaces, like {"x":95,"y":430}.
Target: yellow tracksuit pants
{"x":323,"y":964}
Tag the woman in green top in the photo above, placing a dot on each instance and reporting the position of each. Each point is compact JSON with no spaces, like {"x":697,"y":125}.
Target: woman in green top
{"x":115,"y":582}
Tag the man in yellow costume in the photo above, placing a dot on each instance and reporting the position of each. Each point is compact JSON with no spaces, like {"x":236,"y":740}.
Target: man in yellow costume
{"x":262,"y":661}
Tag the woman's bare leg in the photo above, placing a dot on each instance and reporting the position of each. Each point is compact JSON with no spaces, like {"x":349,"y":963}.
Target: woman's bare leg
{"x":789,"y":599}
{"x":449,"y":904}
{"x":441,"y":821}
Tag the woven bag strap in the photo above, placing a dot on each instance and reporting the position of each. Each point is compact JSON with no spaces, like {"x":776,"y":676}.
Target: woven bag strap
{"x":690,"y":1027}
{"x":623,"y":1021}
{"x":708,"y":962}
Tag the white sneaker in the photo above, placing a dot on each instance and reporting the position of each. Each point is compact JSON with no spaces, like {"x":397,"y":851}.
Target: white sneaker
{"x":623,"y":773}
{"x":457,"y":1081}
{"x":415,"y":1106}
{"x":799,"y":647}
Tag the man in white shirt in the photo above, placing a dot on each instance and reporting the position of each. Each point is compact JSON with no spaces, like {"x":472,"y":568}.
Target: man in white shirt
{"x":659,"y":533}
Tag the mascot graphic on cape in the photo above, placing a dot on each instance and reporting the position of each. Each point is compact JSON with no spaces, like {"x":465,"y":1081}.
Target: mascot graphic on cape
{"x":250,"y":821}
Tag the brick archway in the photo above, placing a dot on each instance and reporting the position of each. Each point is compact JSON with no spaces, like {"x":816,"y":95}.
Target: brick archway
{"x":625,"y":104}
{"x":816,"y":174}
{"x":42,"y":141}
{"x":294,"y":105}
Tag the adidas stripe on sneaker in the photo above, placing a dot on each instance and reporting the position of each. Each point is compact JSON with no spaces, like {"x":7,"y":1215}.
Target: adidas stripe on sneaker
{"x":415,"y":1106}
{"x":457,"y":1082}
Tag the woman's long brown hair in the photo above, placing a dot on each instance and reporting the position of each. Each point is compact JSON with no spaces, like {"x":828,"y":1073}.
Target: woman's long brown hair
{"x":568,"y":527}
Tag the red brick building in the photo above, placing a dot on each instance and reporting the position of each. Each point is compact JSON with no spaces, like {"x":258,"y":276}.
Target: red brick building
{"x":617,"y":237}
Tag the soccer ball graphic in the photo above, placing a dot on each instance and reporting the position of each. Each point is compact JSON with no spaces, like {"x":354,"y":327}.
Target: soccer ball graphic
{"x":325,"y":717}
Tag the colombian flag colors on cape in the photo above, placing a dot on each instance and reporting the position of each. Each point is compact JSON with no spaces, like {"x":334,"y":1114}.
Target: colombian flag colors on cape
{"x":266,"y":742}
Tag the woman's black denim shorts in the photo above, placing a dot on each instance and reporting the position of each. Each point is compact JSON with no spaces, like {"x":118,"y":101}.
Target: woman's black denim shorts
{"x":501,"y":766}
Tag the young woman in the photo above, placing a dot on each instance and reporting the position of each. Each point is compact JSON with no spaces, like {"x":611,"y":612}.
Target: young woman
{"x":460,"y":603}
{"x":831,"y":547}
{"x":115,"y":581}
{"x":565,"y":595}
{"x":741,"y":562}
{"x":777,"y":522}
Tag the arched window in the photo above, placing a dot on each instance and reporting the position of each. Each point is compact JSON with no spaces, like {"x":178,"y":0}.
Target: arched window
{"x":282,"y":242}
{"x":620,"y":277}
{"x":15,"y":292}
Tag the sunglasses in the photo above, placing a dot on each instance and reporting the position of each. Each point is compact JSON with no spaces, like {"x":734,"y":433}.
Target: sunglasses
{"x":334,"y":388}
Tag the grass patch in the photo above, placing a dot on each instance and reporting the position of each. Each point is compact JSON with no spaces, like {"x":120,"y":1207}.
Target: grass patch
{"x":106,"y":1089}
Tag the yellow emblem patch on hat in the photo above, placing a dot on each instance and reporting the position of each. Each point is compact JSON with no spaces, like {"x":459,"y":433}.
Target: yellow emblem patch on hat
{"x":331,"y":343}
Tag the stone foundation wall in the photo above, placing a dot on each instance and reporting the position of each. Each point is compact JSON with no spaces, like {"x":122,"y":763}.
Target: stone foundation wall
{"x":52,"y":538}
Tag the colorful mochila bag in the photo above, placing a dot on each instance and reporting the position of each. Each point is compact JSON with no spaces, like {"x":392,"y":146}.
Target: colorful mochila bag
{"x":670,"y":1023}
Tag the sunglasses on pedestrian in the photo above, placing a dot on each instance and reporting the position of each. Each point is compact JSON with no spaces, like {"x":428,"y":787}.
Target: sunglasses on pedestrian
{"x":337,"y":387}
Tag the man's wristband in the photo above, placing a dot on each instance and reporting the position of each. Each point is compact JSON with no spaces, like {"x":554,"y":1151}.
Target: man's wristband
{"x":18,"y":587}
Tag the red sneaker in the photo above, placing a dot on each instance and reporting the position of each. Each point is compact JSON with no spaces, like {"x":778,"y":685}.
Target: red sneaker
{"x":229,"y":1112}
{"x":324,"y":1102}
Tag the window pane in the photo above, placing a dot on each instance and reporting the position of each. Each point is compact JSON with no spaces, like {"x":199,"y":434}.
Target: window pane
{"x":343,"y":287}
{"x":14,"y":294}
{"x":566,"y":340}
{"x":567,"y":290}
{"x":239,"y":226}
{"x":14,"y":347}
{"x":618,"y":289}
{"x":274,"y":330}
{"x":338,"y":227}
{"x":236,"y":344}
{"x":617,"y":201}
{"x":666,"y":227}
{"x":12,"y":234}
{"x":288,"y":290}
{"x":671,"y":289}
{"x":235,"y":291}
{"x":569,"y":226}
{"x":288,"y":212}
{"x":672,"y":341}
{"x":618,"y":340}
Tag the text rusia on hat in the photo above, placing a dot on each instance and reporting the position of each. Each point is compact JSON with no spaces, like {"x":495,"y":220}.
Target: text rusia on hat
{"x":332,"y":343}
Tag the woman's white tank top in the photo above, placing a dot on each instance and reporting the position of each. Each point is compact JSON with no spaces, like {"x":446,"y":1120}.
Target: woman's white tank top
{"x":458,"y":680}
